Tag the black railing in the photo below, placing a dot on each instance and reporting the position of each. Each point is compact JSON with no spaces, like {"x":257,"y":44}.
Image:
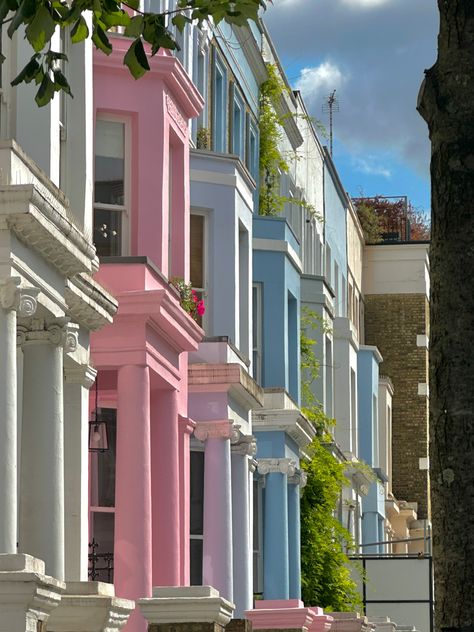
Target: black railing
{"x":101,"y":565}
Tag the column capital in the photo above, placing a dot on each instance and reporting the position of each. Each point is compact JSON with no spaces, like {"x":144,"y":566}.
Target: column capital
{"x":219,"y":429}
{"x":186,"y":424}
{"x":246,"y":445}
{"x":14,"y":297}
{"x":59,"y":332}
{"x":279,"y":466}
{"x":299,"y":478}
{"x":82,"y":374}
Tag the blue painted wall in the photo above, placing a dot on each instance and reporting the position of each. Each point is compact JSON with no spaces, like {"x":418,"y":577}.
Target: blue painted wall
{"x":280,"y":281}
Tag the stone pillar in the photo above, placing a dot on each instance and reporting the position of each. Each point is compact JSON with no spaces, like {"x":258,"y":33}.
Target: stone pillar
{"x":11,"y":299}
{"x":295,"y":483}
{"x":241,"y":525}
{"x":27,"y":596}
{"x":275,"y":540}
{"x":90,"y":607}
{"x":133,"y":545}
{"x":78,"y":380}
{"x":42,"y":441}
{"x":186,"y":429}
{"x":185,"y":609}
{"x":165,"y":488}
{"x":217,"y":566}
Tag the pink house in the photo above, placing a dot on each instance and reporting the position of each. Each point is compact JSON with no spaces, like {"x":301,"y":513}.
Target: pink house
{"x":139,"y":487}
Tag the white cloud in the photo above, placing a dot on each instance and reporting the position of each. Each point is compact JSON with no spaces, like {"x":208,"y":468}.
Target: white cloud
{"x":317,"y":82}
{"x":370,"y":166}
{"x":373,"y":58}
{"x":366,"y":4}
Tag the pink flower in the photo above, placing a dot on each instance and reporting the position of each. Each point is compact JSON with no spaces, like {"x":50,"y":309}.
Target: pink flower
{"x":200,"y":308}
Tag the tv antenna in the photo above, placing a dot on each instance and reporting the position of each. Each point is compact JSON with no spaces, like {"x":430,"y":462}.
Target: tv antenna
{"x":331,"y":105}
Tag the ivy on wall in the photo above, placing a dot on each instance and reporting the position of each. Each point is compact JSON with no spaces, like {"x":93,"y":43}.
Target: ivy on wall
{"x":271,"y":162}
{"x":326,"y":579}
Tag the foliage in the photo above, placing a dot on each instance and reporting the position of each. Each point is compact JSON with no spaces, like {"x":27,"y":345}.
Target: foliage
{"x":382,"y":217}
{"x":149,"y":31}
{"x":189,"y":300}
{"x":325,"y":568}
{"x":312,"y":409}
{"x":271,"y":160}
{"x":203,"y":138}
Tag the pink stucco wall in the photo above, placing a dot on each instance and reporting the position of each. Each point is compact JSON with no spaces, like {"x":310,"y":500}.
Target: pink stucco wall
{"x":143,"y":354}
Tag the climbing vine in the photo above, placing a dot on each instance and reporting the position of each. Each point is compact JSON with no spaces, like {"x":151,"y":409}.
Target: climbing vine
{"x":271,"y":162}
{"x":325,"y":568}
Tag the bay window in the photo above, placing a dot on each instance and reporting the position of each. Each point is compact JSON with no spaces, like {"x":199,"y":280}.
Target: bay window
{"x":110,"y":188}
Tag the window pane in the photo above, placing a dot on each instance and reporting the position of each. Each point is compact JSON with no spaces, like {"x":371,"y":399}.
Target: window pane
{"x":197,"y":492}
{"x":196,"y":562}
{"x":197,"y":251}
{"x":101,"y":556}
{"x":107,"y":232}
{"x":106,"y":461}
{"x":109,"y":162}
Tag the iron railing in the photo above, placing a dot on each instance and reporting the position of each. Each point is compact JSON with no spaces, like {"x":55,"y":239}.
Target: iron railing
{"x":101,"y":565}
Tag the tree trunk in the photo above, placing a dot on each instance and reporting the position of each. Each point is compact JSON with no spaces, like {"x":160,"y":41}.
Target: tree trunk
{"x":447,"y":104}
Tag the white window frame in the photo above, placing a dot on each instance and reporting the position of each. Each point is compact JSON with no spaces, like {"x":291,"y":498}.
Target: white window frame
{"x":257,"y":348}
{"x":239,"y":105}
{"x":124,"y":209}
{"x":219,"y":131}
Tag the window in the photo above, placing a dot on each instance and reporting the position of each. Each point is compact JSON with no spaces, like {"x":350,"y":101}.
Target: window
{"x":257,"y":538}
{"x":328,"y":265}
{"x":219,"y":106}
{"x":252,"y":150}
{"x":197,"y":255}
{"x":102,"y":500}
{"x":110,"y":210}
{"x":196,"y":516}
{"x":238,"y":125}
{"x":257,"y":322}
{"x":337,"y":298}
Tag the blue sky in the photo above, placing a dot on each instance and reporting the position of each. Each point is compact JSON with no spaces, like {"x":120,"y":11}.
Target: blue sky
{"x":373,"y":53}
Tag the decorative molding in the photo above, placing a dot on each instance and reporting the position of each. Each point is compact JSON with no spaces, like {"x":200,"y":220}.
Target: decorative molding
{"x":299,"y":478}
{"x":14,"y":297}
{"x":253,"y":464}
{"x":175,"y":114}
{"x":245,"y":446}
{"x":277,"y":466}
{"x":82,"y":374}
{"x":60,"y":333}
{"x":222,"y":429}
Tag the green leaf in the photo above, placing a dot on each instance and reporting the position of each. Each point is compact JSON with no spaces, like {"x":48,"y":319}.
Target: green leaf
{"x":134,"y":29}
{"x":25,"y":11}
{"x":61,"y":83}
{"x":136,"y":59}
{"x":116,"y":18}
{"x":28,"y":73}
{"x":180,"y":21}
{"x":41,"y":28}
{"x":101,"y":40}
{"x":133,"y":4}
{"x":4,"y":10}
{"x":80,"y":31}
{"x":45,"y":92}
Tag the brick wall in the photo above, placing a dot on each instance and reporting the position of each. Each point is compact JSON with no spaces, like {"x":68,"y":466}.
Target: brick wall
{"x":392,"y":323}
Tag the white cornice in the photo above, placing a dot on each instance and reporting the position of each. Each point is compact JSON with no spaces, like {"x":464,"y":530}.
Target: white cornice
{"x":88,"y":303}
{"x":290,"y":421}
{"x":252,"y":52}
{"x":42,"y":225}
{"x":278,"y":245}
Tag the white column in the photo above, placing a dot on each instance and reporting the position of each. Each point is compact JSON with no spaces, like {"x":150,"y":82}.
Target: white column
{"x":241,"y":525}
{"x":11,"y":299}
{"x":217,"y":565}
{"x":78,"y":380}
{"x":42,"y":443}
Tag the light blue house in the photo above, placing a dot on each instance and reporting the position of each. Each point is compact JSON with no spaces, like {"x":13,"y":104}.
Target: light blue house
{"x":281,"y":430}
{"x":227,"y":67}
{"x":373,"y":504}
